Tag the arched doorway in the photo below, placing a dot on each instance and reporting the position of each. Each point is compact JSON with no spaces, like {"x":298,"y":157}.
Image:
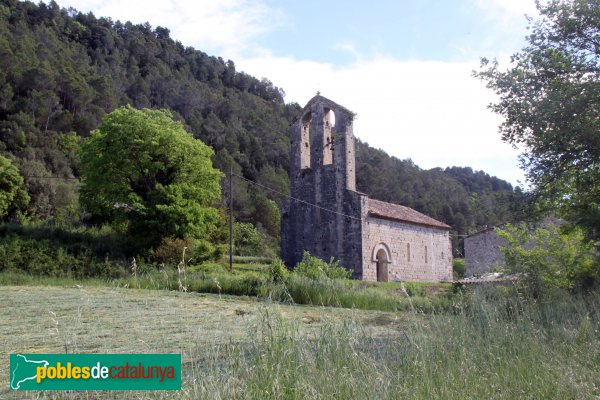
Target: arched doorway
{"x":382,"y":266}
{"x":382,"y":257}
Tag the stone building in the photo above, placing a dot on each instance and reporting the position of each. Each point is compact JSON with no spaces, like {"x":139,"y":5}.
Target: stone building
{"x":329,"y":218}
{"x":482,"y":252}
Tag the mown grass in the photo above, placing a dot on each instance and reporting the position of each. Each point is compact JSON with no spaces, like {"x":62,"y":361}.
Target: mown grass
{"x":493,"y":345}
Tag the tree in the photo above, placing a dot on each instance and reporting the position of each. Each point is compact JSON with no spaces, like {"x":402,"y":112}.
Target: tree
{"x":550,"y":257}
{"x":12,"y":195}
{"x":550,"y":100}
{"x":142,"y":171}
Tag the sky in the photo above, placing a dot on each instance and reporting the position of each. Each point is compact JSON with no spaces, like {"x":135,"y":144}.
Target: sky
{"x":403,"y":66}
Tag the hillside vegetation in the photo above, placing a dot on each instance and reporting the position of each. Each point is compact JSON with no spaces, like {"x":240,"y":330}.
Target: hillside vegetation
{"x":62,"y":71}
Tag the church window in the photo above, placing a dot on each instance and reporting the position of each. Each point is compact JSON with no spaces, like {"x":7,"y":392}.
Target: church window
{"x":328,"y":141}
{"x":305,"y":141}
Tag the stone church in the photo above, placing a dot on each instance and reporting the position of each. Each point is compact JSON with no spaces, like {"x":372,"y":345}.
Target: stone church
{"x":329,"y":218}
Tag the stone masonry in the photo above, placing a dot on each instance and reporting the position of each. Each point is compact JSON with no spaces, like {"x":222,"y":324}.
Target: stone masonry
{"x":417,"y":253}
{"x":327,"y":217}
{"x":482,"y":252}
{"x":482,"y":249}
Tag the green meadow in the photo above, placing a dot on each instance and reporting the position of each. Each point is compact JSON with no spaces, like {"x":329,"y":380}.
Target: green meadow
{"x":483,"y":343}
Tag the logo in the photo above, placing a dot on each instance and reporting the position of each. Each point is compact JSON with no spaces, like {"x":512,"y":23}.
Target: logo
{"x":95,"y":371}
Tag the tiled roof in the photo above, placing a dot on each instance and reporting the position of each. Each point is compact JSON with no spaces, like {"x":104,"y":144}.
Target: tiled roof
{"x":397,"y":212}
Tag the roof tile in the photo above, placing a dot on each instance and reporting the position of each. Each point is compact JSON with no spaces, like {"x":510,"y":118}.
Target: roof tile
{"x":397,"y":212}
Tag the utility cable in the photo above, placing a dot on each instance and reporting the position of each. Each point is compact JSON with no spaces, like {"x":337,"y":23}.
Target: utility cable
{"x":296,"y":199}
{"x":50,"y":177}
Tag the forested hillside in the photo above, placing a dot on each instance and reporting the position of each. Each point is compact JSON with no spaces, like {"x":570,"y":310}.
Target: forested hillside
{"x":61,"y":71}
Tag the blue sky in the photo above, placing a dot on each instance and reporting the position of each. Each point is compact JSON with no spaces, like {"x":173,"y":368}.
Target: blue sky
{"x":403,"y":66}
{"x":423,"y":29}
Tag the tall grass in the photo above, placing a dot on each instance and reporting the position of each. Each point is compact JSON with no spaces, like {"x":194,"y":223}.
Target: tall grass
{"x":245,"y":281}
{"x":352,"y":294}
{"x":296,"y":289}
{"x":493,"y":347}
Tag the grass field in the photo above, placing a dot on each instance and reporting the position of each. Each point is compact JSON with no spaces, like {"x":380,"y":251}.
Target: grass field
{"x":241,"y":347}
{"x":96,"y":319}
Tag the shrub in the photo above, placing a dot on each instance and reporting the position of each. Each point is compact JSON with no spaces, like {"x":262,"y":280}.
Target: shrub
{"x":203,"y":250}
{"x":550,"y":257}
{"x":43,"y":257}
{"x":313,"y":267}
{"x":246,"y":238}
{"x":278,"y":271}
{"x":459,"y":267}
{"x":170,"y":250}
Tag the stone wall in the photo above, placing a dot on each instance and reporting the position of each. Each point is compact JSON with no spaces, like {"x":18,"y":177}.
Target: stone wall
{"x":324,"y":217}
{"x":419,"y":253}
{"x":482,"y":252}
{"x":328,"y":218}
{"x":482,"y":249}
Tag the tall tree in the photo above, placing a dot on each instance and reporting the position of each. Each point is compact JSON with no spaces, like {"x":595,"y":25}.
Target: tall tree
{"x":141,"y":169}
{"x":550,"y":101}
{"x":12,"y":195}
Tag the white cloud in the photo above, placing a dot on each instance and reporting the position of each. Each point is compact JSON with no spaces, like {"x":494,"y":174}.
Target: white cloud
{"x":432,"y":112}
{"x":224,"y":27}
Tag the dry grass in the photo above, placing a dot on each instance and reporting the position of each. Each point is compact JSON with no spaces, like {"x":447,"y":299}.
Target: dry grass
{"x":492,"y":346}
{"x":90,"y":319}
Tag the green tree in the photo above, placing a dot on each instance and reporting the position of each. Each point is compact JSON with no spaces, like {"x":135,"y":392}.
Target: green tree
{"x":550,"y":101}
{"x":12,"y":195}
{"x":142,"y":171}
{"x":550,"y":257}
{"x":247,"y":239}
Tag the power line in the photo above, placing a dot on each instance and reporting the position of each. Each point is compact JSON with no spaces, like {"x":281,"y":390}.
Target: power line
{"x":254,"y":183}
{"x":50,"y":177}
{"x":314,"y":205}
{"x":296,"y":199}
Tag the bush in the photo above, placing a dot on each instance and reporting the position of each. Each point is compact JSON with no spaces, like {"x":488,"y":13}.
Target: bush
{"x":278,"y":271}
{"x":313,"y":267}
{"x":170,"y":250}
{"x":549,"y":257}
{"x":204,"y":250}
{"x":459,"y":268}
{"x":246,"y":239}
{"x":43,"y":257}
